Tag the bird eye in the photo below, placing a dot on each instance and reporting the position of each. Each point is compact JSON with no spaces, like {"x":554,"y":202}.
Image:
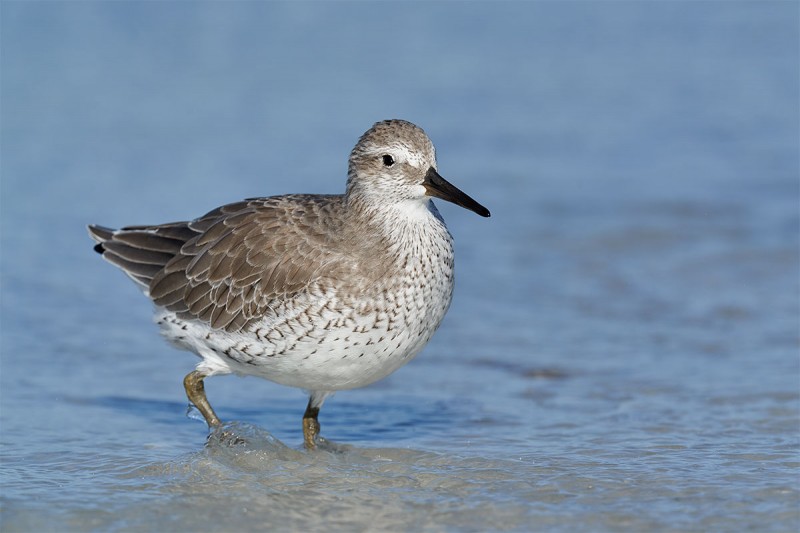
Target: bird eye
{"x":388,"y":160}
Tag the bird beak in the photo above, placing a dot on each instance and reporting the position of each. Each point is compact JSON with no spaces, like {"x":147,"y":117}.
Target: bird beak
{"x":437,"y":186}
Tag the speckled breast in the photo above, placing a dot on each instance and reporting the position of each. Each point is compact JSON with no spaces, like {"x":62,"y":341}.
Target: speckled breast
{"x":331,"y":338}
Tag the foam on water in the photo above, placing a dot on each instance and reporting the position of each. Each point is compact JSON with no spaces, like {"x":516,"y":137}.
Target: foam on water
{"x":259,"y":481}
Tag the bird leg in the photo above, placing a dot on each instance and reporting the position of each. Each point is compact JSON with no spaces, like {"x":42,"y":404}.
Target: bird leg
{"x":310,"y":426}
{"x":193,"y":383}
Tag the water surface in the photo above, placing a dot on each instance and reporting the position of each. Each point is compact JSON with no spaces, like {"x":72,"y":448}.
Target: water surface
{"x":622,"y":350}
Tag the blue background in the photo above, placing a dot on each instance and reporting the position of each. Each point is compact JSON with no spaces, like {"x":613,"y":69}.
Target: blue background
{"x":622,"y":350}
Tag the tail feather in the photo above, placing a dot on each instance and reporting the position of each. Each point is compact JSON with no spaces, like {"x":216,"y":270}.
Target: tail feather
{"x":135,"y":253}
{"x":141,"y":251}
{"x":178,"y":231}
{"x":148,"y":241}
{"x":99,"y":234}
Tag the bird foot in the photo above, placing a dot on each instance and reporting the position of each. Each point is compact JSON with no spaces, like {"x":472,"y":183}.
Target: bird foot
{"x":224,"y":436}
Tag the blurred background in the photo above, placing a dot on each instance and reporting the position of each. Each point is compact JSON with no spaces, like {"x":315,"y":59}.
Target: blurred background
{"x":622,"y":349}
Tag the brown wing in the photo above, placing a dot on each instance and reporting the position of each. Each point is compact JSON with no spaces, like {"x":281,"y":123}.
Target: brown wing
{"x":238,"y":262}
{"x":247,"y":258}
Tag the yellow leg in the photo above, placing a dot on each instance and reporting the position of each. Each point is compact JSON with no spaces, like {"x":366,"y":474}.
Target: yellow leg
{"x":310,"y":426}
{"x":193,"y":383}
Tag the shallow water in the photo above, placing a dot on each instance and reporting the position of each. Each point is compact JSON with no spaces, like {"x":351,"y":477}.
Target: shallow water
{"x":622,"y":350}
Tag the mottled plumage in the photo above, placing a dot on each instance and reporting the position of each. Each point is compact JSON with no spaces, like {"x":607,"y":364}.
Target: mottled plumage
{"x":322,"y":292}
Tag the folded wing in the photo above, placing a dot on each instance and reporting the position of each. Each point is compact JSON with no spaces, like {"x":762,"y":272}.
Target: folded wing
{"x":233,"y":265}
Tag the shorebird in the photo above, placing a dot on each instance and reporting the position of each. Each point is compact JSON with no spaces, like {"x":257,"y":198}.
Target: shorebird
{"x":320,"y":292}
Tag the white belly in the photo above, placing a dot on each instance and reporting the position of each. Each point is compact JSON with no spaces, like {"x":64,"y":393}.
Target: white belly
{"x":323,"y":342}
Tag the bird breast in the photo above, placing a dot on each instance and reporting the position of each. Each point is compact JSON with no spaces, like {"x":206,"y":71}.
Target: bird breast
{"x":336,"y":336}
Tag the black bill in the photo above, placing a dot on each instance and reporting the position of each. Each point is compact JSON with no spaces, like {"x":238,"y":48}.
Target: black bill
{"x":441,"y":188}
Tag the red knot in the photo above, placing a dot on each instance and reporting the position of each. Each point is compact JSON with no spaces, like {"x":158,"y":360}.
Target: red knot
{"x":320,"y":292}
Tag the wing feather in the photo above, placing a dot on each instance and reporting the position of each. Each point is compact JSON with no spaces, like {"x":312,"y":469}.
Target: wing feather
{"x":247,"y":258}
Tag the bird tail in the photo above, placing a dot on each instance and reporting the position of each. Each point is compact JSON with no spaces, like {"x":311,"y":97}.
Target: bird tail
{"x":140,"y":251}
